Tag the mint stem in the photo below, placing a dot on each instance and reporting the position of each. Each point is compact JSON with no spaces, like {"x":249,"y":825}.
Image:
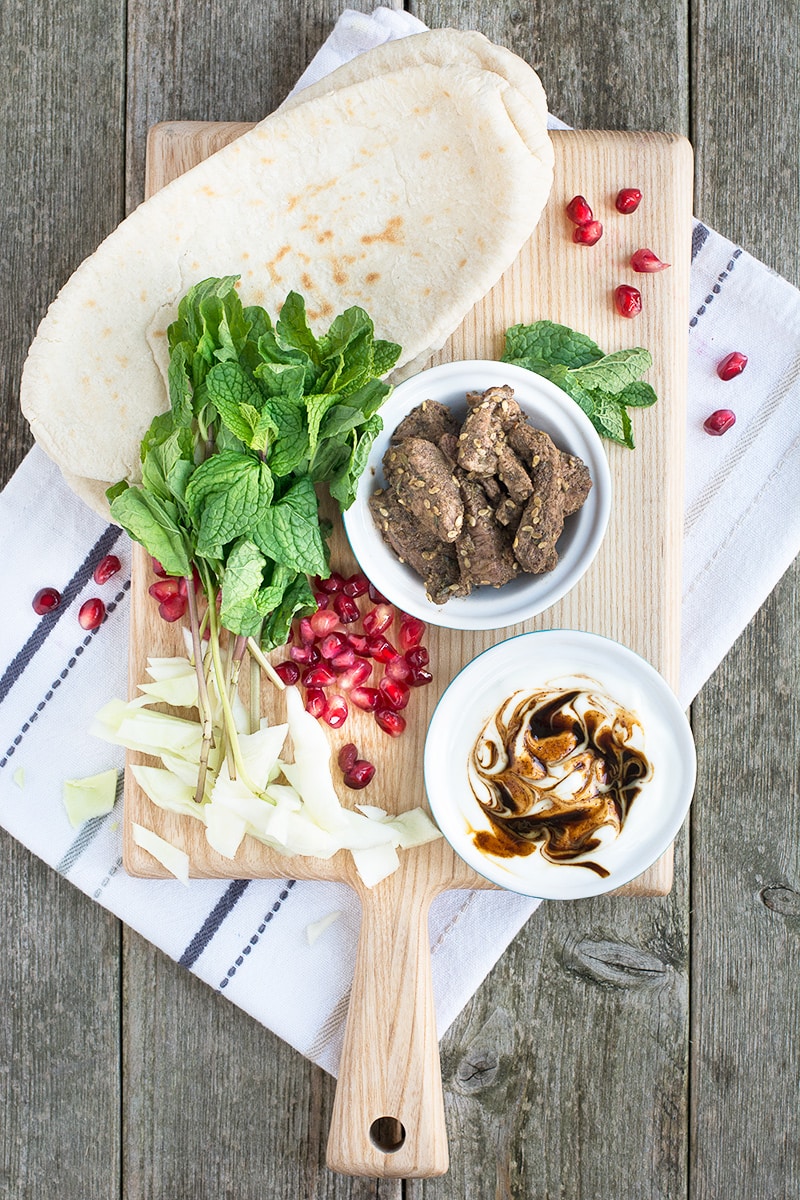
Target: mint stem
{"x":203,"y":701}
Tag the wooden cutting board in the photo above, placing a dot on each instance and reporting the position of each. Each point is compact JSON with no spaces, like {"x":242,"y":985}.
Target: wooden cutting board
{"x":388,"y":1117}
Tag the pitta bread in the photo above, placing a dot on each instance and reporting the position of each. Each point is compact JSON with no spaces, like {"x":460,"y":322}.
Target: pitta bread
{"x":383,"y":193}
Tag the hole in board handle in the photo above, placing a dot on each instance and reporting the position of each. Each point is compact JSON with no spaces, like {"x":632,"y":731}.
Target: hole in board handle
{"x":387,"y":1134}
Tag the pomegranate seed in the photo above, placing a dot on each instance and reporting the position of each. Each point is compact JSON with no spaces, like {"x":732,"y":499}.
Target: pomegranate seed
{"x":627,"y":300}
{"x":334,"y":583}
{"x":719,"y":422}
{"x":91,"y":613}
{"x":378,"y":619}
{"x":380,"y":649}
{"x":358,"y":641}
{"x":307,"y":655}
{"x":390,"y":722}
{"x":357,"y":674}
{"x":323,"y":622}
{"x":307,"y":635}
{"x":165,"y":589}
{"x":367,"y":698}
{"x":418,"y":656}
{"x":399,"y":668}
{"x":420,"y":677}
{"x":332,"y":644}
{"x":336,"y":711}
{"x":411,"y":631}
{"x":346,"y":658}
{"x":322,"y":599}
{"x":394,"y":693}
{"x":356,"y":585}
{"x":375,"y":596}
{"x":588,"y":234}
{"x":46,"y":600}
{"x":578,"y":211}
{"x":732,"y":365}
{"x":347,"y":756}
{"x":288,"y":671}
{"x":346,"y":609}
{"x":647,"y":263}
{"x":359,"y":774}
{"x":318,"y":676}
{"x":628,"y":200}
{"x":107,"y":567}
{"x":173,"y":608}
{"x":315,"y":702}
{"x":157,"y":567}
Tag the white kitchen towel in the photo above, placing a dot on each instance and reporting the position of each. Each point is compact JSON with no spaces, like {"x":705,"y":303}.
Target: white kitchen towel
{"x":241,"y":936}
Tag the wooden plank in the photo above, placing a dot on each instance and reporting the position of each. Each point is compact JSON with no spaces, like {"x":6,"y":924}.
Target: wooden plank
{"x":59,"y":1024}
{"x":637,"y":604}
{"x":266,"y":1136}
{"x":521,"y":1064}
{"x":746,"y":889}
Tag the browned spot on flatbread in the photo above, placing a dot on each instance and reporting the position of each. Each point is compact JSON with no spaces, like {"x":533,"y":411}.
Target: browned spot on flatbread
{"x":324,"y":310}
{"x":273,"y":262}
{"x":307,"y":281}
{"x":463,"y":263}
{"x":293,"y":201}
{"x":425,"y":154}
{"x":325,"y":236}
{"x":373,"y":277}
{"x":392,"y":233}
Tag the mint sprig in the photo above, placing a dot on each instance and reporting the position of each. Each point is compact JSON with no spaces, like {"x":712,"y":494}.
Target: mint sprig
{"x":259,"y":413}
{"x":605,"y":386}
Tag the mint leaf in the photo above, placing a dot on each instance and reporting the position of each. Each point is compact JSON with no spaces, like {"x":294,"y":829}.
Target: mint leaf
{"x":282,"y":380}
{"x":289,"y":532}
{"x":637,"y":395}
{"x":244,"y":573}
{"x":246,"y":600}
{"x":350,"y":325}
{"x":344,"y":485}
{"x":292,"y":327}
{"x":552,"y":343}
{"x":229,"y":388}
{"x":603,"y":385}
{"x":233,"y":511}
{"x":298,"y":600}
{"x":384,"y":356}
{"x":316,"y":408}
{"x":612,"y":421}
{"x":153,"y":523}
{"x":613,"y":372}
{"x":291,"y":439}
{"x":179,"y":385}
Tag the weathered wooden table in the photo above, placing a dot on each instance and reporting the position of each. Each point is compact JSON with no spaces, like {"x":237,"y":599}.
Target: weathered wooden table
{"x":620,"y":1048}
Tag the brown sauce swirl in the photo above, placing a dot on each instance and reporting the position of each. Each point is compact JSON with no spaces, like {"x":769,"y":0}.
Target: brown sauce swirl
{"x":553,"y":768}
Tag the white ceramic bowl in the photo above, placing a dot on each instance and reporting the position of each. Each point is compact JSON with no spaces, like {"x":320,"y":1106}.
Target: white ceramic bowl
{"x":547,"y":408}
{"x":533,"y":661}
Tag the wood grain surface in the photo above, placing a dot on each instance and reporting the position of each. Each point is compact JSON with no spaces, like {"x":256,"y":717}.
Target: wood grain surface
{"x":567,"y":1075}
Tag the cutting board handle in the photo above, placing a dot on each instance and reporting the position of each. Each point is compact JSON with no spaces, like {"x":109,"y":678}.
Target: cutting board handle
{"x":388,"y":1114}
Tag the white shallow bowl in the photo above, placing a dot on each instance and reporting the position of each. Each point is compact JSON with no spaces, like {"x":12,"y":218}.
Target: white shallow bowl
{"x":533,"y":661}
{"x":547,"y":408}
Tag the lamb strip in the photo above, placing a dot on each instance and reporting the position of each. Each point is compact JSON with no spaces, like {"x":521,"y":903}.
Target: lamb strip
{"x":542,"y":518}
{"x":422,"y":480}
{"x":434,"y":561}
{"x":576,"y":480}
{"x":429,"y":420}
{"x":484,"y":547}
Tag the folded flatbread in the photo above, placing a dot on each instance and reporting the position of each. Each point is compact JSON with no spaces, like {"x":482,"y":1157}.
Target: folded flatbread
{"x":408,"y":190}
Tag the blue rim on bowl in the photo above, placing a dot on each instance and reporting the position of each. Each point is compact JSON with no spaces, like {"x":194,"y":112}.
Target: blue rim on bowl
{"x":547,"y":408}
{"x":532,"y":661}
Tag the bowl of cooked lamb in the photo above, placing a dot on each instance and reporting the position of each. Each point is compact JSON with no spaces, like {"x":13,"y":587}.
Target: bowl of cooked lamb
{"x":484,"y":499}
